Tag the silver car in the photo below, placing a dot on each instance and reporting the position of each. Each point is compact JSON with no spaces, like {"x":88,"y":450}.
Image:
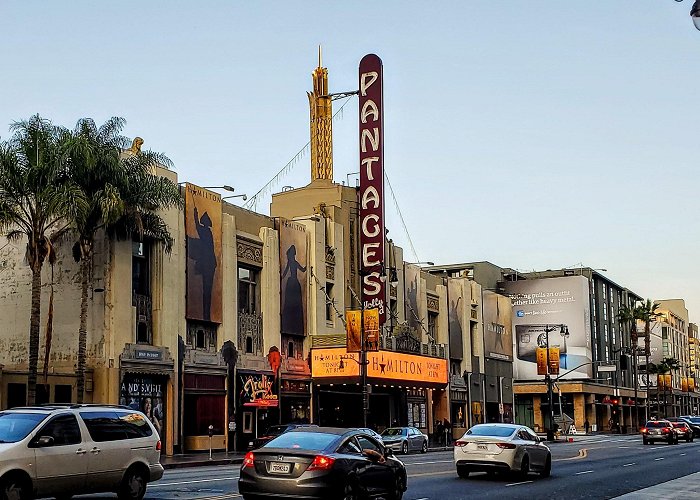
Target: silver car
{"x":65,"y":450}
{"x":501,"y":448}
{"x":405,"y":439}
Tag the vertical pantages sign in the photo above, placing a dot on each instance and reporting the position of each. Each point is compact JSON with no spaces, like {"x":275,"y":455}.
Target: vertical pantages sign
{"x":204,"y":269}
{"x":372,"y":184}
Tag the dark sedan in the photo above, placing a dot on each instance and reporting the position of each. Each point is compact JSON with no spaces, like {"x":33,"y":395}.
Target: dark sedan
{"x":693,"y":422}
{"x":683,"y":431}
{"x":322,"y":463}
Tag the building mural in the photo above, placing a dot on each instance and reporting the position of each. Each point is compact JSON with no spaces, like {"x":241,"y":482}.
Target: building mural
{"x":293,"y":277}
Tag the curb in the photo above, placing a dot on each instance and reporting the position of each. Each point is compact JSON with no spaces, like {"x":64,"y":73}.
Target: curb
{"x":202,"y":463}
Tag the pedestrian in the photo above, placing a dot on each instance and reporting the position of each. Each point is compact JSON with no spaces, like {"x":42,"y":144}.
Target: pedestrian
{"x":448,"y":430}
{"x":439,"y":432}
{"x":586,"y":425}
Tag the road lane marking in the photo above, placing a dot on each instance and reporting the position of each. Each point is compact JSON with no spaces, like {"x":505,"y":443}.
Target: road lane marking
{"x":161,"y":485}
{"x":583,"y":472}
{"x":421,"y":474}
{"x":657,"y":459}
{"x":682,"y":454}
{"x":582,"y":453}
{"x":428,"y":463}
{"x":628,"y":465}
{"x":521,"y":482}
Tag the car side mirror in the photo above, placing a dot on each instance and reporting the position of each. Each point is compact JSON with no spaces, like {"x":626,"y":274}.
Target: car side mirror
{"x":388,"y":453}
{"x":44,"y":442}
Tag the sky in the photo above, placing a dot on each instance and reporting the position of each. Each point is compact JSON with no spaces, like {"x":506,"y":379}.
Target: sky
{"x":533,"y":134}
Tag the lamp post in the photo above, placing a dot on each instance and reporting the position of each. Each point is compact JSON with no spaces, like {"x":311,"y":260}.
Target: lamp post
{"x":363,"y":359}
{"x":694,"y":13}
{"x":563,"y":330}
{"x":244,"y":196}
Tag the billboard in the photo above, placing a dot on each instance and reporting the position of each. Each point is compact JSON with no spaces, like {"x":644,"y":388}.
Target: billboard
{"x":498,"y":326}
{"x":204,"y":269}
{"x":413,"y":290}
{"x":455,"y":315}
{"x":353,"y":328}
{"x":371,"y":192}
{"x":539,"y":307}
{"x":293,"y":277}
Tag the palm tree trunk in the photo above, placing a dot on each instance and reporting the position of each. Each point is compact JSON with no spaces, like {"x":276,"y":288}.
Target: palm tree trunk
{"x":35,"y":318}
{"x":82,"y":332}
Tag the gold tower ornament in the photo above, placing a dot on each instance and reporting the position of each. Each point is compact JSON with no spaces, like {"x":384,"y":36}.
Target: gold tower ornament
{"x":321,"y":114}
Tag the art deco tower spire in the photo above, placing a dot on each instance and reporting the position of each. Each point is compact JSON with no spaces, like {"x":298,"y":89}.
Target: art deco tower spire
{"x":321,"y":114}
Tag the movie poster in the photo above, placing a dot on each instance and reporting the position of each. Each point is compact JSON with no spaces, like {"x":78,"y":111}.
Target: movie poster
{"x":412,"y":277}
{"x":204,"y":266}
{"x":293,"y":277}
{"x":498,"y":326}
{"x":455,"y":308}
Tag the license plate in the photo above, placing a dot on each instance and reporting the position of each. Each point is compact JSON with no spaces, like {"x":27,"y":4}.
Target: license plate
{"x":280,"y":468}
{"x":482,"y":447}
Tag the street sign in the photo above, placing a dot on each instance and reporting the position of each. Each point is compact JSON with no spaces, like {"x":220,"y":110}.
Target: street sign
{"x":607,"y":368}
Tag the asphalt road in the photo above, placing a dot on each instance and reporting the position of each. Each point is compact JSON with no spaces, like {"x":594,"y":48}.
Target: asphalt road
{"x":588,"y":468}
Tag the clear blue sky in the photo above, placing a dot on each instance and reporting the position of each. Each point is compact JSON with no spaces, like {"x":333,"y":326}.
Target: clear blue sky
{"x":533,"y":134}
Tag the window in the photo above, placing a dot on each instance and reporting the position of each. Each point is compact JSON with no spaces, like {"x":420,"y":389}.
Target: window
{"x":201,"y":340}
{"x":134,"y":425}
{"x":63,"y":394}
{"x":303,"y":440}
{"x":247,"y":290}
{"x":42,"y":393}
{"x":63,"y":429}
{"x":17,"y":426}
{"x":330,"y":309}
{"x":248,"y":344}
{"x":16,"y":395}
{"x":432,"y":325}
{"x":290,"y":350}
{"x":104,"y":426}
{"x":201,"y":335}
{"x":351,"y":447}
{"x":140,"y":269}
{"x":368,"y":444}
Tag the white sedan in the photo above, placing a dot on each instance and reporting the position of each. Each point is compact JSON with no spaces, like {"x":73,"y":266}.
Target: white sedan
{"x":501,"y":448}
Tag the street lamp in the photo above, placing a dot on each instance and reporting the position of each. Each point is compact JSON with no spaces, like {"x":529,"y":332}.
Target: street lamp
{"x":563,"y":330}
{"x":245,"y":197}
{"x":694,"y":13}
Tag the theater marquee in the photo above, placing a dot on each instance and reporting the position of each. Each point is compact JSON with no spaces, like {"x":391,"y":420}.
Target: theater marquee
{"x":386,"y":365}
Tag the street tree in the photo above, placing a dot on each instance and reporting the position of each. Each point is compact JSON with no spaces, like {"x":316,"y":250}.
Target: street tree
{"x":37,"y":199}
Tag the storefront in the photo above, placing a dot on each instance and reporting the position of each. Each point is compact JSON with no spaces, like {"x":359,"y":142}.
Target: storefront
{"x":295,"y":391}
{"x":399,"y":387}
{"x":258,"y":405}
{"x":146,"y":384}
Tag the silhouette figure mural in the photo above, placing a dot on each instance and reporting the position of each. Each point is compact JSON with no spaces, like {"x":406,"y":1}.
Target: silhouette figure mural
{"x":454,"y":316}
{"x":412,"y":312}
{"x":203,"y":226}
{"x":293,"y":277}
{"x":498,"y":326}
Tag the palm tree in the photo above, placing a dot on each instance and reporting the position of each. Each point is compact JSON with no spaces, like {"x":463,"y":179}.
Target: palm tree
{"x":666,"y":366}
{"x":124,"y":194}
{"x":647,"y":312}
{"x":630,"y":315}
{"x":37,"y":198}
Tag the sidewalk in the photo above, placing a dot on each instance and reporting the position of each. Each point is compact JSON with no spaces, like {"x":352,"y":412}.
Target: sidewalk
{"x":683,"y":488}
{"x":200,"y":459}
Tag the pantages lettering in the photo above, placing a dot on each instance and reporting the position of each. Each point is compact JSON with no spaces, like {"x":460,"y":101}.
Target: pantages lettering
{"x":372,"y":184}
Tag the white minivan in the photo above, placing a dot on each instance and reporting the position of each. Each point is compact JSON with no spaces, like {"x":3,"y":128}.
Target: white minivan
{"x":65,"y":450}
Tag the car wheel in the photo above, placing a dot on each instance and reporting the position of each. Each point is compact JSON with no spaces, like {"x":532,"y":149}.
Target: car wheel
{"x":350,"y":491}
{"x":14,"y":488}
{"x":133,"y":486}
{"x":424,"y":449}
{"x":463,"y":471}
{"x":547,"y":471}
{"x":525,"y":466}
{"x":404,"y":448}
{"x":397,"y":492}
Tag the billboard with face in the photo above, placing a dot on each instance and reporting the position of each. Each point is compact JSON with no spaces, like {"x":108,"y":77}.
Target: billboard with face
{"x":498,"y":331}
{"x":540,"y":307}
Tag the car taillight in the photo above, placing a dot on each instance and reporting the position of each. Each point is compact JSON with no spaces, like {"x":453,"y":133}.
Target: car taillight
{"x":158,"y":445}
{"x":643,"y":430}
{"x":460,"y":444}
{"x":248,"y":460}
{"x":506,"y":446}
{"x":665,"y":430}
{"x":321,"y":463}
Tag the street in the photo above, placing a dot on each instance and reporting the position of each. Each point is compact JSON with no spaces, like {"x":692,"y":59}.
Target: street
{"x":592,"y":467}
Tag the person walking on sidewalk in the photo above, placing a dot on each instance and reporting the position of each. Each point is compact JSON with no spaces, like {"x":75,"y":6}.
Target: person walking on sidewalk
{"x":586,"y":425}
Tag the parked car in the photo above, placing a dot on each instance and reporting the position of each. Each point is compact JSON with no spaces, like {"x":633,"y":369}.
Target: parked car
{"x":322,"y":463}
{"x":272,"y":432}
{"x":693,"y":422}
{"x":66,"y":450}
{"x":658,"y":430}
{"x":405,"y":439}
{"x":501,"y":448}
{"x":683,"y":431}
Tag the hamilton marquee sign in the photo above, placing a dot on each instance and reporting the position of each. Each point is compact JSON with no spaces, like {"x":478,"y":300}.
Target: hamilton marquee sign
{"x":372,"y":184}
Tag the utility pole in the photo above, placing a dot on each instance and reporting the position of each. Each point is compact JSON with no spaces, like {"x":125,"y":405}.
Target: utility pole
{"x":550,"y":399}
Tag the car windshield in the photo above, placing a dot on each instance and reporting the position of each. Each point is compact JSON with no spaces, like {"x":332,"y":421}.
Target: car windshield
{"x":394,"y":431}
{"x":302,"y":440}
{"x":17,"y":426}
{"x":657,"y":424}
{"x":491,"y":430}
